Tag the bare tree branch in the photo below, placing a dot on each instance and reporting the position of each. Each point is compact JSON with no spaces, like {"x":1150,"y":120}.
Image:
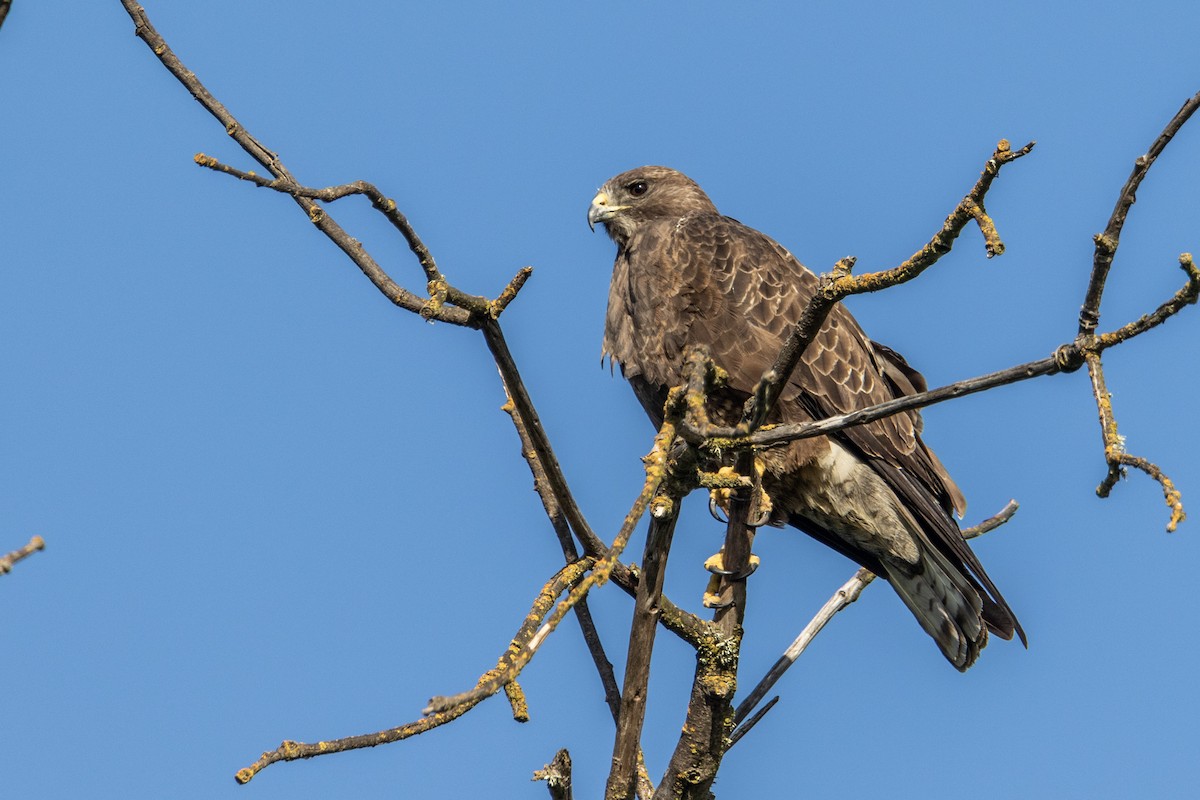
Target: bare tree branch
{"x":440,"y":292}
{"x":539,"y":441}
{"x":35,"y":544}
{"x":1107,"y":242}
{"x":626,"y":743}
{"x":5,"y":5}
{"x":840,"y":284}
{"x":1089,"y":317}
{"x":1186,"y":296}
{"x":781,"y":434}
{"x":316,"y":214}
{"x":742,"y":730}
{"x":1114,"y":450}
{"x":612,"y":694}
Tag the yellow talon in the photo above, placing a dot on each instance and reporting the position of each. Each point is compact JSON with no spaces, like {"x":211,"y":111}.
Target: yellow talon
{"x":716,"y":565}
{"x":719,"y":498}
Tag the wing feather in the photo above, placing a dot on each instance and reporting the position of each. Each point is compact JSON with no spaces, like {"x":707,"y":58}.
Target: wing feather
{"x":742,"y":292}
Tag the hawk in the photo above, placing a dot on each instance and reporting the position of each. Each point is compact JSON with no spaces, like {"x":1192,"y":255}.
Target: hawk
{"x":686,"y":275}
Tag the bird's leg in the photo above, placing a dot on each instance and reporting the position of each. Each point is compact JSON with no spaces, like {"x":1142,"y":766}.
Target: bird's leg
{"x":760,"y":514}
{"x":760,"y":503}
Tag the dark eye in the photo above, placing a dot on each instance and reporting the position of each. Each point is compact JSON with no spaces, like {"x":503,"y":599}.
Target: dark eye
{"x":637,"y":188}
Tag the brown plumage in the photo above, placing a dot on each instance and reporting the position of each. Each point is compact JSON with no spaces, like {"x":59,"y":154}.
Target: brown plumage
{"x":686,"y":275}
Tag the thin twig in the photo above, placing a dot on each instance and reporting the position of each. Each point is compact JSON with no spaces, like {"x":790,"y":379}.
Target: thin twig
{"x":292,"y":751}
{"x":780,"y":434}
{"x":841,"y":284}
{"x":431,"y":718}
{"x":742,"y":730}
{"x":1116,"y":456}
{"x":539,"y":441}
{"x":1186,"y":296}
{"x":1108,"y":241}
{"x":612,"y":694}
{"x":6,"y":562}
{"x":841,"y":599}
{"x":440,"y":291}
{"x":509,"y":293}
{"x":271,"y":162}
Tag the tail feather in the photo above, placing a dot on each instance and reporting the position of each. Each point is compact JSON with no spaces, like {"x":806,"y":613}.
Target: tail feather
{"x":944,"y":602}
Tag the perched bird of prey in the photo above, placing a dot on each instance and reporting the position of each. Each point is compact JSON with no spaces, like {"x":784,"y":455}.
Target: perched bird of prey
{"x":686,"y":275}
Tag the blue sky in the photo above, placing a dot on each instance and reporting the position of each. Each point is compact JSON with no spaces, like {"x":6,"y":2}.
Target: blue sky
{"x":276,"y":507}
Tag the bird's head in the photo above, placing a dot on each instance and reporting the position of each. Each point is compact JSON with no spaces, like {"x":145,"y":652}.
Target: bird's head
{"x":644,"y":194}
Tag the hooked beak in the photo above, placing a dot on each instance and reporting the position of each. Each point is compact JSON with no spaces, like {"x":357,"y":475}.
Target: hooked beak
{"x":602,"y":210}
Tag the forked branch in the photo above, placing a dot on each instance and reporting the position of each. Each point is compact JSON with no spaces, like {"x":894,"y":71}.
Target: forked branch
{"x":272,"y":163}
{"x":440,"y":292}
{"x":1106,"y":244}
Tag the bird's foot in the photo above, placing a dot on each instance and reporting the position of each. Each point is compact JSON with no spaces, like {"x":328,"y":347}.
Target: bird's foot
{"x":718,"y":499}
{"x":716,"y":565}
